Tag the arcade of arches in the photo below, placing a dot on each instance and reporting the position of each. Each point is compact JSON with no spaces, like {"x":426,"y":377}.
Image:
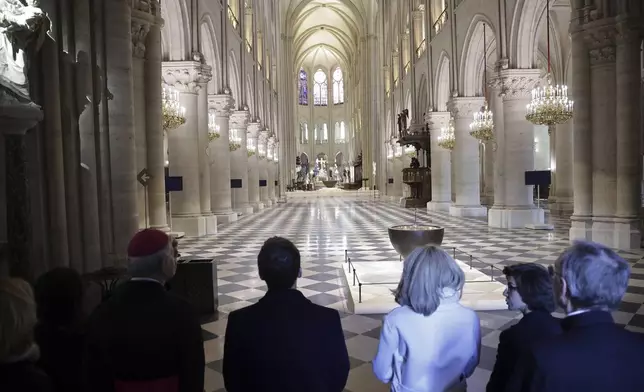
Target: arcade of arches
{"x":188,"y":115}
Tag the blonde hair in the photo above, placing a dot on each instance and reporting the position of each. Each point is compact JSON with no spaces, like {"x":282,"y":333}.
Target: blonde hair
{"x":17,"y":317}
{"x":429,"y":275}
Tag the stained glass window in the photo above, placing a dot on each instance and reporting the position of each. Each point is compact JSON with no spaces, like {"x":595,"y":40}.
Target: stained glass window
{"x":320,"y":89}
{"x":303,"y":87}
{"x":338,"y":87}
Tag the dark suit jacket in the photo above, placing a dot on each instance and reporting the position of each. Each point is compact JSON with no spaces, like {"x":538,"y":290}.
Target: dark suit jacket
{"x":143,"y":333}
{"x":592,"y":355}
{"x":24,"y":376}
{"x":285,"y":343}
{"x":61,"y":355}
{"x":515,"y":340}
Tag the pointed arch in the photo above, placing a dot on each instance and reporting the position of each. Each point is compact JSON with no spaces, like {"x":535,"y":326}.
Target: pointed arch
{"x":523,"y":39}
{"x":210,"y":49}
{"x":442,"y":83}
{"x":320,"y":87}
{"x":176,"y":34}
{"x":303,"y":87}
{"x":421,"y":97}
{"x":472,"y":58}
{"x":235,"y":81}
{"x":251,"y":103}
{"x":338,"y":86}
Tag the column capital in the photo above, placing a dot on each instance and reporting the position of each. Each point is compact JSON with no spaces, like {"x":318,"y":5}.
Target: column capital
{"x":222,"y":104}
{"x":464,"y":107}
{"x":516,"y":83}
{"x":628,"y":31}
{"x":140,"y":29}
{"x":151,"y":7}
{"x":239,"y":119}
{"x":186,"y":76}
{"x":601,"y":41}
{"x":437,"y":120}
{"x":253,"y":129}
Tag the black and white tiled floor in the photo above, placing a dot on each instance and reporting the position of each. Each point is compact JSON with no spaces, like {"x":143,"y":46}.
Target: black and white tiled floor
{"x":323,"y":228}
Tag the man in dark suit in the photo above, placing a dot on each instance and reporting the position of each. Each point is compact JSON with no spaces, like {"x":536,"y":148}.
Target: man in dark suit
{"x":142,"y":337}
{"x":592,"y":353}
{"x":529,"y":290}
{"x":284,"y":343}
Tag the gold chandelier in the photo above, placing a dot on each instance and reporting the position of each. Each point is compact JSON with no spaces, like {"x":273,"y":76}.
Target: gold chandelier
{"x":482,"y":128}
{"x":234,"y":140}
{"x":550,"y":104}
{"x":174,"y":115}
{"x":447,"y":139}
{"x":213,"y":128}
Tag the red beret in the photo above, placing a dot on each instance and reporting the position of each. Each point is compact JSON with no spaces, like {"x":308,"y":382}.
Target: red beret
{"x":147,"y":242}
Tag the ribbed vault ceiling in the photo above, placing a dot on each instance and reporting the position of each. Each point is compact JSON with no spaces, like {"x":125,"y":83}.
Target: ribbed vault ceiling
{"x":325,"y":33}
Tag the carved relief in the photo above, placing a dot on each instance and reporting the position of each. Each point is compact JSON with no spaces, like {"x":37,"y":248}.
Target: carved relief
{"x":23,"y":28}
{"x":239,"y":119}
{"x":516,"y":83}
{"x":186,"y":76}
{"x":437,"y":121}
{"x":601,"y":44}
{"x":464,"y":107}
{"x":139,"y":34}
{"x":221,"y":104}
{"x":148,"y":6}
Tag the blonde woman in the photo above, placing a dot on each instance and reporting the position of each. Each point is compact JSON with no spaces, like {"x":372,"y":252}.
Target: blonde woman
{"x":18,"y":352}
{"x":430,"y":343}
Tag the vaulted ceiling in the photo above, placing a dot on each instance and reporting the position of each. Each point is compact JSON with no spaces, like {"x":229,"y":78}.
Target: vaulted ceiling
{"x":325,"y":32}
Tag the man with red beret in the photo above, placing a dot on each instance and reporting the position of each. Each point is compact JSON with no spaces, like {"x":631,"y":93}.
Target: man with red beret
{"x":144,"y":338}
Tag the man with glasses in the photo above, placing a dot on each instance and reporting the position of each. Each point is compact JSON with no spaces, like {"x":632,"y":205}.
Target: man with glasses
{"x":592,"y":353}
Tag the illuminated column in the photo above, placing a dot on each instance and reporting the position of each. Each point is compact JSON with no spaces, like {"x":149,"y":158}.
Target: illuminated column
{"x":262,"y":166}
{"x":465,"y":158}
{"x":252,"y":136}
{"x":239,"y":163}
{"x":440,"y":163}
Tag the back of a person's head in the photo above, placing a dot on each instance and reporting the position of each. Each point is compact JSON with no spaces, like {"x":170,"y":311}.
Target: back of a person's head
{"x":59,"y":296}
{"x":534,"y":285}
{"x":279,"y":263}
{"x":595,"y":276}
{"x":151,"y":255}
{"x":17,"y":318}
{"x":430,"y":276}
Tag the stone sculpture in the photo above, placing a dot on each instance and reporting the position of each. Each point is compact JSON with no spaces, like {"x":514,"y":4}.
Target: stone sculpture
{"x":23,"y":28}
{"x":404,"y":117}
{"x":400,"y":125}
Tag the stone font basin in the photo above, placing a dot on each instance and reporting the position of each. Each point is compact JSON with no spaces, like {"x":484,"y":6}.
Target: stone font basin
{"x":330,"y":183}
{"x":406,"y":238}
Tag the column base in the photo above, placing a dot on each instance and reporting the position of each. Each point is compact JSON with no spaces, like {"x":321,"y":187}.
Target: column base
{"x":192,"y":226}
{"x":211,"y":224}
{"x":580,"y":228}
{"x":487,"y":200}
{"x":226,"y":217}
{"x":617,"y":233}
{"x":561,"y":207}
{"x":515,"y":218}
{"x":247,"y":210}
{"x":267,"y":203}
{"x":439,"y":206}
{"x":257,"y":206}
{"x":165,"y":228}
{"x":468,"y":211}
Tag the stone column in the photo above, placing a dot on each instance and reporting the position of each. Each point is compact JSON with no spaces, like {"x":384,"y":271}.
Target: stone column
{"x":183,"y":146}
{"x":517,"y":208}
{"x":488,"y":171}
{"x":441,"y":163}
{"x":202,"y":156}
{"x":627,"y":233}
{"x":220,"y":156}
{"x":262,"y":166}
{"x":253,"y":167}
{"x":140,"y":28}
{"x":239,"y":163}
{"x":603,"y":144}
{"x":122,"y":158}
{"x":582,"y":167}
{"x":466,"y":159}
{"x":562,"y":169}
{"x":157,"y":213}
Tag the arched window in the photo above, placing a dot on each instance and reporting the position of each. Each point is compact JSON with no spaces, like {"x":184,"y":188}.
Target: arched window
{"x":325,"y":133}
{"x":303,"y":88}
{"x":320,"y":89}
{"x":338,"y":87}
{"x":343,"y":135}
{"x":304,"y":133}
{"x":340,"y":135}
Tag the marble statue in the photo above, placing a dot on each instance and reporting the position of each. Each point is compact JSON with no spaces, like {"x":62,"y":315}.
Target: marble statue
{"x":404,"y":117}
{"x":400,"y":125}
{"x":23,"y":28}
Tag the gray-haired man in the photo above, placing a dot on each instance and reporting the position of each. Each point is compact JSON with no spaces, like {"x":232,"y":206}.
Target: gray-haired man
{"x":593,"y":353}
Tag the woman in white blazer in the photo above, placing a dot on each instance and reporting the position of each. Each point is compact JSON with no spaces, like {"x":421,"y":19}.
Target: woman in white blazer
{"x":430,"y":343}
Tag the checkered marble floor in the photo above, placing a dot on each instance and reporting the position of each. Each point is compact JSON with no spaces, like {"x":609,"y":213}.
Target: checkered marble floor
{"x":324,"y":228}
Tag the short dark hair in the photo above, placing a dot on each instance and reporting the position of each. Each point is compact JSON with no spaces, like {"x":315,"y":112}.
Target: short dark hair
{"x":59,"y":296}
{"x":278,"y":263}
{"x":534,"y":284}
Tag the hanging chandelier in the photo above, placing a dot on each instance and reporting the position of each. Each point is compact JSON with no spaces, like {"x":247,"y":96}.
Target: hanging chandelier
{"x":174,"y":115}
{"x":213,"y":128}
{"x":447,"y":139}
{"x":482,"y":128}
{"x":234,"y":140}
{"x":550,"y":104}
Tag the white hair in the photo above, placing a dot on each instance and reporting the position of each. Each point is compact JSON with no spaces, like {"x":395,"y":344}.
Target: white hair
{"x":150,"y":266}
{"x":596,"y":276}
{"x":429,"y":275}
